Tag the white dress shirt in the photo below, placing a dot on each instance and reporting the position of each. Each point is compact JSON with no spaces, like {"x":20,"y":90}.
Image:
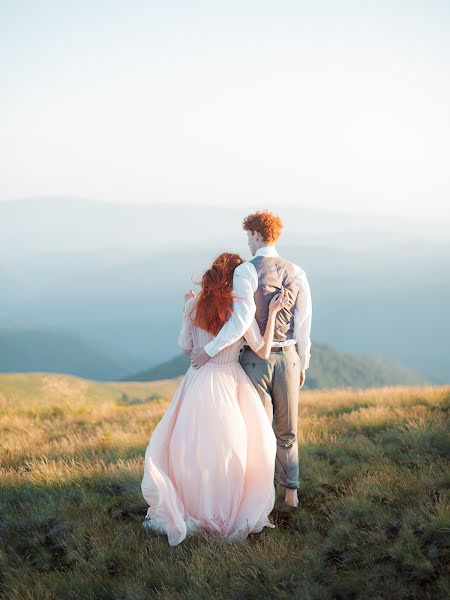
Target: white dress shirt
{"x":245,"y":284}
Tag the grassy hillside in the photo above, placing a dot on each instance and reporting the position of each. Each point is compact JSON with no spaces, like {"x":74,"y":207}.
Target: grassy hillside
{"x":374,"y":521}
{"x":25,"y":349}
{"x":328,"y":369}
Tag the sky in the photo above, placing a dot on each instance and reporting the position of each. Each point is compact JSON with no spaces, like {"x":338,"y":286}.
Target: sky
{"x":337,"y":105}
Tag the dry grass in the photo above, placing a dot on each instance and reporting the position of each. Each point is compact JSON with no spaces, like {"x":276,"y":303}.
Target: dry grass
{"x":375,"y":499}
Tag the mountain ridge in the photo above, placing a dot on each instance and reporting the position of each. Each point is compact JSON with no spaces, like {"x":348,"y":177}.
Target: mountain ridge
{"x":33,"y":348}
{"x":328,"y":369}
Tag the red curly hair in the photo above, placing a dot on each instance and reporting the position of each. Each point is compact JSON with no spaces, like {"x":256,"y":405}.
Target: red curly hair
{"x":214,"y":303}
{"x":265,"y":223}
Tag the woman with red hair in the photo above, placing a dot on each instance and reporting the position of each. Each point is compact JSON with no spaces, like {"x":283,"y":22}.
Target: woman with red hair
{"x":209,"y":465}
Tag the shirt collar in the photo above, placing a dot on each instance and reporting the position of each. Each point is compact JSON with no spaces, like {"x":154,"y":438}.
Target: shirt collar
{"x":267,"y":251}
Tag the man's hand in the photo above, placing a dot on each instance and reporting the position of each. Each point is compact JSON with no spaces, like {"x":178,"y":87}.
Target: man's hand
{"x":302,"y":378}
{"x":199,"y":358}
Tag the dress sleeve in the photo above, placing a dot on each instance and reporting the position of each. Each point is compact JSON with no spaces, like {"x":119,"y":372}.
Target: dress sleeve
{"x":185,"y":339}
{"x":253,"y":337}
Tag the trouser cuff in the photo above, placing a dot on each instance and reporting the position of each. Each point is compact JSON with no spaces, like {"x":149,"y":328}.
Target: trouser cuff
{"x":289,"y":485}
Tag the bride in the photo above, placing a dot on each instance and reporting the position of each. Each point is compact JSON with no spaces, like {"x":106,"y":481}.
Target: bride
{"x":209,"y":465}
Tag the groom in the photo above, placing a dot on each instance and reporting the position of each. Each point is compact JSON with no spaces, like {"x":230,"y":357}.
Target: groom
{"x":278,"y":379}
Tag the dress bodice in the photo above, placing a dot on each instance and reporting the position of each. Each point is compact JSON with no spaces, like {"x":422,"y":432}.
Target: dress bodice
{"x":227,"y":355}
{"x":192,"y":337}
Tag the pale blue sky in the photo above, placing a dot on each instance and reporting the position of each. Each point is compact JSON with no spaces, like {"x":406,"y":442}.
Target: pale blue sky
{"x":332,"y":104}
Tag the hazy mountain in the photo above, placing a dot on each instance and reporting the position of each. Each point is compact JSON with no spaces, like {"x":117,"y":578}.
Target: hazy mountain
{"x":115,"y":275}
{"x":328,"y":369}
{"x":25,"y":350}
{"x":64,"y":224}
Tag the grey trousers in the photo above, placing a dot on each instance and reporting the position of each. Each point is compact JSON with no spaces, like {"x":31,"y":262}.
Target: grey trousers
{"x":277,"y":381}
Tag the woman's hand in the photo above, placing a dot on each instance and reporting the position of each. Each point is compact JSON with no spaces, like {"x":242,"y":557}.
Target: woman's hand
{"x":279,"y":301}
{"x":188,"y":295}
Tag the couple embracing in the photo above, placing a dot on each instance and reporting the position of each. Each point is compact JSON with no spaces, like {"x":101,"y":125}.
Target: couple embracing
{"x":230,"y":430}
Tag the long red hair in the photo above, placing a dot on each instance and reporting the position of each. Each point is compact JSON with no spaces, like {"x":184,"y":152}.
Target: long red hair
{"x":214,"y":303}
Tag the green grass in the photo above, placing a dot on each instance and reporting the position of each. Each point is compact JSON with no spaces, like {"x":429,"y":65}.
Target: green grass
{"x":374,"y":492}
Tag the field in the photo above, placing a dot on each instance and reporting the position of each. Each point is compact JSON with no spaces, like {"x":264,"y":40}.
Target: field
{"x":373,"y":524}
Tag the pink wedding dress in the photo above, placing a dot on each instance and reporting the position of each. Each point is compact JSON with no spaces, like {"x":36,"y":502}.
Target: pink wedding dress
{"x":210,"y":462}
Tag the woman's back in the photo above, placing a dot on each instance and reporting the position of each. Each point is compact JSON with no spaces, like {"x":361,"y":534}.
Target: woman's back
{"x":198,"y":338}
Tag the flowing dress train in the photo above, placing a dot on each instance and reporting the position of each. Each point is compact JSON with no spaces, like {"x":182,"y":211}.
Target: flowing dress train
{"x":210,"y":461}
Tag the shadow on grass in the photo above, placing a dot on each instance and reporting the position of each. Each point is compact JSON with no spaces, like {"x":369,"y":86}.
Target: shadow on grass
{"x":342,"y":540}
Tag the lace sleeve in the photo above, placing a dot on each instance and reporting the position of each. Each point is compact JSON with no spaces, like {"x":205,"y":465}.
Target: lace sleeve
{"x":185,"y":339}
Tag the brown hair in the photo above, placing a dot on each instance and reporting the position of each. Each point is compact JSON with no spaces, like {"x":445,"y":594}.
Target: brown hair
{"x":265,"y":223}
{"x":214,"y":303}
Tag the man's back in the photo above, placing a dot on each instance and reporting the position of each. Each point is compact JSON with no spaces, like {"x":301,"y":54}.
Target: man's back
{"x":275,"y":272}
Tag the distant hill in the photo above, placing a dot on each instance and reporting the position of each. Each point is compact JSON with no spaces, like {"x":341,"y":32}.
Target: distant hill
{"x":25,"y":349}
{"x":43,"y":389}
{"x":328,"y":369}
{"x":97,"y":269}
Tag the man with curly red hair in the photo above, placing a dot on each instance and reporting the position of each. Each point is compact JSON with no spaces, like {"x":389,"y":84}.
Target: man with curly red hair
{"x":277,"y":379}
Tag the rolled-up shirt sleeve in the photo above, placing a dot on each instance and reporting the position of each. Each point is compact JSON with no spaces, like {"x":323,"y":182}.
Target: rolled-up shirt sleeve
{"x":303,"y":317}
{"x":245,"y":284}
